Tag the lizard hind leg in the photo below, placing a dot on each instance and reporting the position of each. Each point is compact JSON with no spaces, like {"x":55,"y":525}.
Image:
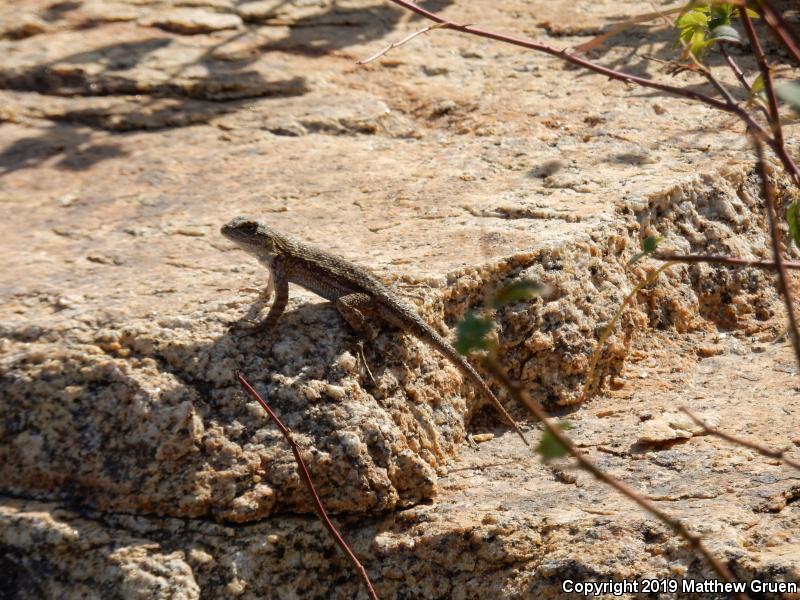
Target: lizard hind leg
{"x":352,"y":307}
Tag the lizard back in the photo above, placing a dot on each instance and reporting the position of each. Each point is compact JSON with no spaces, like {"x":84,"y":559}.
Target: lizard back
{"x":326,"y":274}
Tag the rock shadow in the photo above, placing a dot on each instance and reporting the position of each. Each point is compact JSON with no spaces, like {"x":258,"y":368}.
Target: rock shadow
{"x":75,"y":150}
{"x":340,"y":28}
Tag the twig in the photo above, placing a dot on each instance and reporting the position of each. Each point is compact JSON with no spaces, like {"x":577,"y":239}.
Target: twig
{"x":766,"y":75}
{"x":590,"y":377}
{"x":734,"y":66}
{"x":724,"y":260}
{"x":706,"y":71}
{"x":768,"y":191}
{"x":674,"y":67}
{"x":694,"y":541}
{"x":710,"y":77}
{"x":775,"y":20}
{"x":777,"y":251}
{"x":394,"y":45}
{"x":301,"y":465}
{"x":763,"y":450}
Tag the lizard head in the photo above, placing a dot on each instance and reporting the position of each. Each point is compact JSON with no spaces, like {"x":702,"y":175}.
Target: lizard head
{"x":252,"y":236}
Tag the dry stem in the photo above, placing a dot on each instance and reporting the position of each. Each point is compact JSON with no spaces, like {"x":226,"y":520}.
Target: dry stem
{"x":394,"y":45}
{"x":777,"y":251}
{"x":725,"y":260}
{"x":763,"y":450}
{"x":306,"y":476}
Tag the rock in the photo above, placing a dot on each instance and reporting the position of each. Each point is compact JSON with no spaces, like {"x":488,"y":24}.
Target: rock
{"x":103,"y":11}
{"x":115,"y":113}
{"x":84,"y":557}
{"x":294,"y":10}
{"x":21,"y":24}
{"x":708,"y":350}
{"x":338,"y":113}
{"x":673,"y":426}
{"x":191,"y":21}
{"x":260,"y":9}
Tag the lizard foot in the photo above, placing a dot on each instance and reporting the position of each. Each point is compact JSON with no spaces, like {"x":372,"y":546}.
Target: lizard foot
{"x":248,"y":327}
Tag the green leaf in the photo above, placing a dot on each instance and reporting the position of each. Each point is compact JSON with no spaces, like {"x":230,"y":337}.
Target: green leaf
{"x":794,"y":226}
{"x":789,"y":93}
{"x":519,"y":290}
{"x":720,"y":15}
{"x":701,"y":26}
{"x":692,"y":26}
{"x":694,"y":20}
{"x":471,"y":333}
{"x":549,"y":447}
{"x":758,"y":85}
{"x":725,"y":33}
{"x":649,"y":244}
{"x":753,"y":14}
{"x":698,"y":43}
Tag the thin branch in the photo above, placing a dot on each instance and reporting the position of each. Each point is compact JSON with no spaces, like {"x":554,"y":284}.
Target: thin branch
{"x":777,"y":251}
{"x":394,"y":45}
{"x":699,"y":66}
{"x":710,"y":77}
{"x":306,"y":476}
{"x":766,"y":74}
{"x":776,"y":22}
{"x":724,"y":260}
{"x":693,"y":540}
{"x":734,"y":66}
{"x":763,"y":450}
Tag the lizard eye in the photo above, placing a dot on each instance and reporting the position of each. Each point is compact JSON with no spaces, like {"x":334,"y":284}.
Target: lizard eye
{"x":249,"y":228}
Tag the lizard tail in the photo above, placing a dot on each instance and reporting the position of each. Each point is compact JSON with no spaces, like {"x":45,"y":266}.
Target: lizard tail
{"x":463,"y":365}
{"x":478,"y":381}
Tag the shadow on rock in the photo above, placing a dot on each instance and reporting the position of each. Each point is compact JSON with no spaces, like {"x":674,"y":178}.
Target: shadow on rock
{"x":74,"y":149}
{"x":340,"y":28}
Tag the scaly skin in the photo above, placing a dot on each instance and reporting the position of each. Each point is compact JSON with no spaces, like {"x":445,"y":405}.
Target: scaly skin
{"x":354,"y":290}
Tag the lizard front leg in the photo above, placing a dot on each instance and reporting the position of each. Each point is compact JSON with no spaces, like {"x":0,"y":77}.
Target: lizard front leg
{"x":280,"y":284}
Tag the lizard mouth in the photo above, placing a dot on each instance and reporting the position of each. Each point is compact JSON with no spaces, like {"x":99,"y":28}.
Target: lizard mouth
{"x":240,"y":228}
{"x":251,"y":236}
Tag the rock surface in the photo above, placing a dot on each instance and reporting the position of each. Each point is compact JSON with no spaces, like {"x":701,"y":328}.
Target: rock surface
{"x":131,"y":459}
{"x":503,"y":524}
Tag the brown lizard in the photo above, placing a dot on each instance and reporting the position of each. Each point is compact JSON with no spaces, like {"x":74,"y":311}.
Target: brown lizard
{"x":354,"y":291}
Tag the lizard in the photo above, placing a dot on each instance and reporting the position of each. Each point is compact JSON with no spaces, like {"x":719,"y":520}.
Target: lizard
{"x":354,"y":290}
